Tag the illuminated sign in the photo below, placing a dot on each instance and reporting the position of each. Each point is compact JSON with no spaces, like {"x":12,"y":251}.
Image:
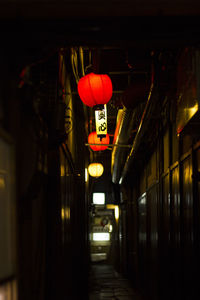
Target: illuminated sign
{"x":101,"y":121}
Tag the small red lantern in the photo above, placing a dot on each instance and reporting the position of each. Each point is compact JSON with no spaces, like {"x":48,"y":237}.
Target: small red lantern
{"x":95,"y":89}
{"x":94,"y":139}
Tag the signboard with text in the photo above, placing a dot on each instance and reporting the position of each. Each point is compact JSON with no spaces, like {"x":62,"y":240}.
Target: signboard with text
{"x":101,"y":121}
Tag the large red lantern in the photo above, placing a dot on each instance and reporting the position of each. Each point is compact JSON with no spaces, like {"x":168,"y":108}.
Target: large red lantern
{"x":95,"y":89}
{"x":94,"y":139}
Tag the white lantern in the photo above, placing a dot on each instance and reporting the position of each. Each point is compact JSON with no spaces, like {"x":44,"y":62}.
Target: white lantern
{"x":95,"y":169}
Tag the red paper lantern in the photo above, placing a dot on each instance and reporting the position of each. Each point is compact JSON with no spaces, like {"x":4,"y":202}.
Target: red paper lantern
{"x":95,"y":89}
{"x":93,"y":139}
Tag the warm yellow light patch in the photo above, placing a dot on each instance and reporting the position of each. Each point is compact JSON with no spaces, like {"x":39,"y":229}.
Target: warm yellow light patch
{"x":62,"y":170}
{"x":2,"y":182}
{"x":62,"y":213}
{"x":190,"y":111}
{"x":65,"y":213}
{"x":116,"y":209}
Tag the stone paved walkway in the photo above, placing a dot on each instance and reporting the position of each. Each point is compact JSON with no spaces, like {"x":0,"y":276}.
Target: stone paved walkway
{"x":106,"y":284}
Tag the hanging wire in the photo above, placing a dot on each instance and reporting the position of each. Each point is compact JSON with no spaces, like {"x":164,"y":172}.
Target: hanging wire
{"x":74,"y":63}
{"x":81,"y":56}
{"x":63,"y":78}
{"x":61,"y":70}
{"x":90,"y":61}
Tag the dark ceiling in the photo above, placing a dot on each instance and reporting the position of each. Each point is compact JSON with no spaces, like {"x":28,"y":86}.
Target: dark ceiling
{"x":125,"y":41}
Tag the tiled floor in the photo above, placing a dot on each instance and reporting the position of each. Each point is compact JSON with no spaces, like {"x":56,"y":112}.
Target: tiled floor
{"x":106,"y":284}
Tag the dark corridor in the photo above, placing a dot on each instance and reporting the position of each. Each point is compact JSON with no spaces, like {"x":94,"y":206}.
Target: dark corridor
{"x":133,"y":231}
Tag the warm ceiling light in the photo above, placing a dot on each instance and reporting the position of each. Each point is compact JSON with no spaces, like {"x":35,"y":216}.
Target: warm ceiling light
{"x":95,"y":169}
{"x":95,"y":89}
{"x":94,"y":139}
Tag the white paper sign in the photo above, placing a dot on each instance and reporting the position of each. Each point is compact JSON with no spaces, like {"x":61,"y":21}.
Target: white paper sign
{"x":101,"y":121}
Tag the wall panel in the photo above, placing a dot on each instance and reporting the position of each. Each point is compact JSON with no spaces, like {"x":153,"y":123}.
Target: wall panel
{"x":164,"y":237}
{"x":175,"y":233}
{"x":7,"y":223}
{"x":152,"y":240}
{"x":142,"y":238}
{"x":187,"y":228}
{"x":166,"y":150}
